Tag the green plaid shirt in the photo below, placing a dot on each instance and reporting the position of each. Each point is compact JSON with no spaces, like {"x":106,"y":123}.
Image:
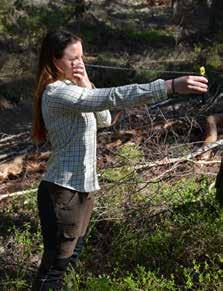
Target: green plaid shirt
{"x":72,"y":115}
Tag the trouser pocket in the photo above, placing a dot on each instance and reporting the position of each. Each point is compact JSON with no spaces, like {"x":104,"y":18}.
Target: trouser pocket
{"x":73,"y":210}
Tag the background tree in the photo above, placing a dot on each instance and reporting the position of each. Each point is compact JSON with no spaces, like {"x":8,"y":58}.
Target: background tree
{"x":216,"y":18}
{"x":197,"y":19}
{"x":26,"y":21}
{"x":192,"y":18}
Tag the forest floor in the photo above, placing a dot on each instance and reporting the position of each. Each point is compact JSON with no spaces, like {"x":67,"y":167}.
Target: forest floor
{"x":21,"y":163}
{"x":156,"y":224}
{"x":129,"y":34}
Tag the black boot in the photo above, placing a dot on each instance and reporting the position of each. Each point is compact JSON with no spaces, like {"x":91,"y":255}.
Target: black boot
{"x":50,"y":274}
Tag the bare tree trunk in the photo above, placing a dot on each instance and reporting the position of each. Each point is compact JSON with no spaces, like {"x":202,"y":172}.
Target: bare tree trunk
{"x":216,"y":17}
{"x":192,"y":18}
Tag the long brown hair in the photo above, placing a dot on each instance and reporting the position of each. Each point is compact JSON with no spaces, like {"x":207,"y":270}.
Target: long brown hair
{"x":52,"y":47}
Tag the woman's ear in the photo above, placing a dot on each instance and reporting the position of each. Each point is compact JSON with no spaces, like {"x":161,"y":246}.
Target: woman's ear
{"x":59,"y":69}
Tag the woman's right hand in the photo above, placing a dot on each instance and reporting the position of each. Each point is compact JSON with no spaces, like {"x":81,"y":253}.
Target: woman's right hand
{"x":187,"y":85}
{"x":80,"y":75}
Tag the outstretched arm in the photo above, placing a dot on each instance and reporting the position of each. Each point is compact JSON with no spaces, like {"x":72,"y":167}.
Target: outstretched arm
{"x":83,"y":99}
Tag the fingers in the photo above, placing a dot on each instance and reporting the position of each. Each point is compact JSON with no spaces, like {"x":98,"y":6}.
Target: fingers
{"x":199,"y":79}
{"x":196,"y":89}
{"x":78,"y":73}
{"x":78,"y":76}
{"x":197,"y":84}
{"x":191,"y":84}
{"x":78,"y":70}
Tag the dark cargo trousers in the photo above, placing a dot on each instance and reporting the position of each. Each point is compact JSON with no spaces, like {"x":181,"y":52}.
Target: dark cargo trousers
{"x":64,"y":217}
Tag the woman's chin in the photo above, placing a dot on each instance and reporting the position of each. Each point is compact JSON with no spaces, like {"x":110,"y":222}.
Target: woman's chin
{"x":70,"y":78}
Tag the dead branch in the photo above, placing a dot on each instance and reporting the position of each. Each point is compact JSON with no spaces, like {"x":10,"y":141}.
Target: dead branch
{"x":15,"y":136}
{"x":7,"y":156}
{"x":204,"y":149}
{"x":186,"y":158}
{"x":3,"y":196}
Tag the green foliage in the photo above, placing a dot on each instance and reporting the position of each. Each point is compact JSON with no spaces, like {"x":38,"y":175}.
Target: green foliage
{"x":20,"y":239}
{"x":146,"y":75}
{"x":130,"y":154}
{"x":168,"y":245}
{"x":213,"y":58}
{"x":165,"y":236}
{"x":123,"y":179}
{"x":72,"y":280}
{"x":151,"y":36}
{"x":15,"y":284}
{"x":26,"y":22}
{"x":127,"y":156}
{"x":139,"y":280}
{"x":191,"y":232}
{"x":180,"y":249}
{"x":103,"y":282}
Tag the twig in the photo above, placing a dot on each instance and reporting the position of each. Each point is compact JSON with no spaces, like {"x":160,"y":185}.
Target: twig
{"x":3,"y":196}
{"x":10,"y":137}
{"x":5,"y":157}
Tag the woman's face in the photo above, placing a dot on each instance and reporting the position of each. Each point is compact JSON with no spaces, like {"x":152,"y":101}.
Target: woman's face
{"x":71,"y":60}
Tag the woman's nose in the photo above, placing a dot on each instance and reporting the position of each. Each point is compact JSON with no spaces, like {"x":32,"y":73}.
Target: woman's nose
{"x":77,"y":63}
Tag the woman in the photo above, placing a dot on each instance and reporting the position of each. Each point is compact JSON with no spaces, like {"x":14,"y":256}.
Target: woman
{"x":68,"y":110}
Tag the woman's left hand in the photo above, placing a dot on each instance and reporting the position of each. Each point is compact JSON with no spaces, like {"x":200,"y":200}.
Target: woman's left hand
{"x":187,"y":84}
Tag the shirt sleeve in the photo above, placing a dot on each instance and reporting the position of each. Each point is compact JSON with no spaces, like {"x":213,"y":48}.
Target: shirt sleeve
{"x":69,"y":96}
{"x":103,"y":118}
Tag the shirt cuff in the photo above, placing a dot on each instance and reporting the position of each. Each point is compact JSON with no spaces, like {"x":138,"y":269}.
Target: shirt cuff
{"x":159,"y":89}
